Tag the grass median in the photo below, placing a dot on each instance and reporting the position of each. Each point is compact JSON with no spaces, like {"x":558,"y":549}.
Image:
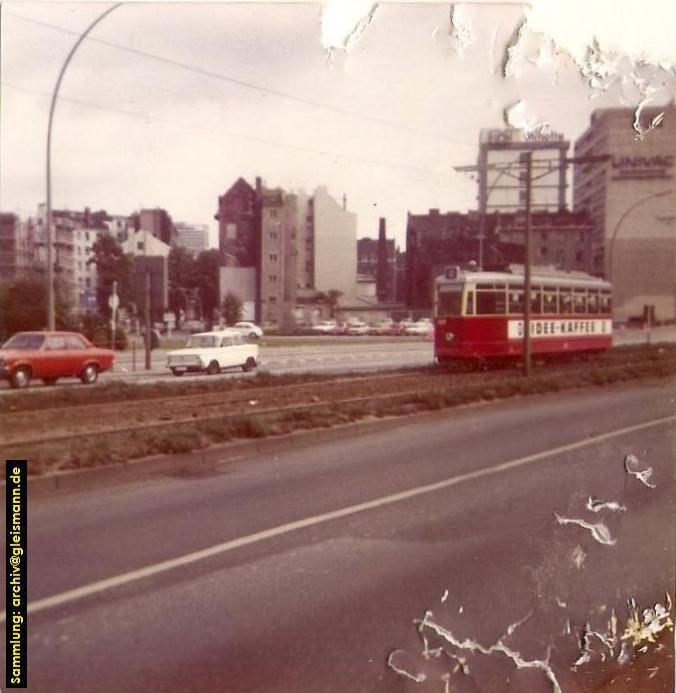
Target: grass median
{"x":118,"y":447}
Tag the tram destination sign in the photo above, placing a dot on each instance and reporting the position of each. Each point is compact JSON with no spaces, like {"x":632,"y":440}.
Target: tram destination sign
{"x":560,"y":328}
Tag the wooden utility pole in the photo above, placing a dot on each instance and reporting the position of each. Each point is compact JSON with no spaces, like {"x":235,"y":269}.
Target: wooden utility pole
{"x":527,"y":253}
{"x":147,"y":319}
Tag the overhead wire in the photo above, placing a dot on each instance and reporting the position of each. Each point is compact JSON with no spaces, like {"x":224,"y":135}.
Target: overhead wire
{"x":254,"y":138}
{"x":246,"y":84}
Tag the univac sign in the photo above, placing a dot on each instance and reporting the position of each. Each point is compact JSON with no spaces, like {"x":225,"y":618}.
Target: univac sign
{"x":642,"y":167}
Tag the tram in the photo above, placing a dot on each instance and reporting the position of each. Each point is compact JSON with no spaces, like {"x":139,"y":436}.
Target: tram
{"x":479,"y":315}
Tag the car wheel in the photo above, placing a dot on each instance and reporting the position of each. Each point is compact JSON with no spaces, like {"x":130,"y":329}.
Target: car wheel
{"x":49,"y":381}
{"x":89,"y":374}
{"x":177,"y":373}
{"x":249,"y":365}
{"x":253,"y":335}
{"x":213,"y":368}
{"x":20,"y":378}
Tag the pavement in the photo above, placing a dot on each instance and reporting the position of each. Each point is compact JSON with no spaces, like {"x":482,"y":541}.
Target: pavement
{"x":343,"y":355}
{"x":303,"y":570}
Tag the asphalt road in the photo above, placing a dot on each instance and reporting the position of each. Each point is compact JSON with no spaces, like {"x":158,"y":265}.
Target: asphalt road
{"x":345,"y":354}
{"x":319,"y":605}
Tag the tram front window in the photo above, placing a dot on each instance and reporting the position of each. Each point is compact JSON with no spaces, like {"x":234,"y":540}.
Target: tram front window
{"x":450,"y":303}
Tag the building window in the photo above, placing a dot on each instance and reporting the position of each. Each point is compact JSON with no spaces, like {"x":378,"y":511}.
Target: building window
{"x":272,"y":235}
{"x":272,"y":299}
{"x":87,"y":235}
{"x":88,"y":283}
{"x":139,"y":245}
{"x":272,"y":278}
{"x":273,"y":214}
{"x":272,"y":257}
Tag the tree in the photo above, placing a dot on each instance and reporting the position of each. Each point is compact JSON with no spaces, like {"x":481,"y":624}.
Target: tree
{"x":181,"y":268}
{"x":332,"y":296}
{"x":112,"y":264}
{"x":23,"y":306}
{"x":207,"y":278}
{"x":232,"y":308}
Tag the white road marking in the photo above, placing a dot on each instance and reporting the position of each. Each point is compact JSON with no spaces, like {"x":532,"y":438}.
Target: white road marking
{"x":163,"y":566}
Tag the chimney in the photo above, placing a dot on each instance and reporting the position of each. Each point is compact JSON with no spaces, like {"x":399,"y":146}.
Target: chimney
{"x":382,"y":267}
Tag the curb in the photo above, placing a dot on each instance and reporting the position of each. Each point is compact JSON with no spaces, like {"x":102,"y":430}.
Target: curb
{"x":216,"y":456}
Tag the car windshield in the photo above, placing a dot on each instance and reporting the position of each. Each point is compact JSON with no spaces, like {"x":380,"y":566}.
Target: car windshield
{"x":24,"y":341}
{"x":201,"y":341}
{"x":242,"y":324}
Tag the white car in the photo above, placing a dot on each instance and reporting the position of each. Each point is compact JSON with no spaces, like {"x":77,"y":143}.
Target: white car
{"x":325,"y":327}
{"x":422,"y":328}
{"x":357,"y":327}
{"x":211,"y":352}
{"x":248,"y":329}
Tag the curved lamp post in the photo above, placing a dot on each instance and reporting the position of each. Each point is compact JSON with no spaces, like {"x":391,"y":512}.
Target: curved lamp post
{"x":50,"y":241}
{"x":625,"y":214}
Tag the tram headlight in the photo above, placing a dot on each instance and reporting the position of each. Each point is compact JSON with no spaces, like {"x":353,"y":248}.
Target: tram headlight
{"x":449,"y":336}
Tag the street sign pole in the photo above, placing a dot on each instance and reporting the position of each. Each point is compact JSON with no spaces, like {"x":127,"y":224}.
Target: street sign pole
{"x":113,"y":303}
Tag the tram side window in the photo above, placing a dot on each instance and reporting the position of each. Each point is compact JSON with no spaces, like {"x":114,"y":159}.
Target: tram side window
{"x":549,"y":303}
{"x":593,"y":302}
{"x":490,"y":302}
{"x":579,"y":301}
{"x":450,"y":302}
{"x":605,"y":303}
{"x":516,"y":301}
{"x":535,"y":300}
{"x":470,"y":303}
{"x":566,"y":301}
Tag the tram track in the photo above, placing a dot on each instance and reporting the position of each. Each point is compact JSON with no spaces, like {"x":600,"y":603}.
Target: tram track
{"x":67,"y":425}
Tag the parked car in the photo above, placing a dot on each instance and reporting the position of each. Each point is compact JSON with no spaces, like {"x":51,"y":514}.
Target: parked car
{"x":399,"y":328}
{"x":382,"y":327}
{"x":422,"y":328}
{"x":212,"y":352}
{"x":50,"y":356}
{"x":325,"y":327}
{"x":356,"y":327}
{"x":192,"y":326}
{"x":249,"y":329}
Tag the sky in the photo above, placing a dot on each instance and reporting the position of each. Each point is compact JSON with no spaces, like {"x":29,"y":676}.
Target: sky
{"x":167,"y":104}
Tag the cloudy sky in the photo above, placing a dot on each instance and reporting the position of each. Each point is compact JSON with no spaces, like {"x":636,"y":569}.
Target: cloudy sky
{"x":167,"y":104}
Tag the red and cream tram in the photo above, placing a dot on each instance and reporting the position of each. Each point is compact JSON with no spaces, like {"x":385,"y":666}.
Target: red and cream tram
{"x":480,"y":315}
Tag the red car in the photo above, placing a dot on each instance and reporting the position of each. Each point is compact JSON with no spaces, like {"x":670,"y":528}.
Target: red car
{"x":50,"y":356}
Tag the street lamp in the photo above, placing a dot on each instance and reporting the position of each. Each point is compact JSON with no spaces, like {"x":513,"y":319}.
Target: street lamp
{"x":51,"y":319}
{"x":616,"y":230}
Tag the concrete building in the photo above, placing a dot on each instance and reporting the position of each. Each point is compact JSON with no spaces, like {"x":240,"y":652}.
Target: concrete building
{"x":562,"y":239}
{"x":159,"y":223}
{"x":74,"y":234}
{"x":299,"y":246}
{"x":434,"y":240}
{"x":278,"y":237}
{"x":17,"y":247}
{"x":334,"y":240}
{"x":240,"y":281}
{"x":377,"y":259}
{"x":193,"y":237}
{"x":504,"y":190}
{"x":632,"y":201}
{"x":145,"y":243}
{"x":238,"y":225}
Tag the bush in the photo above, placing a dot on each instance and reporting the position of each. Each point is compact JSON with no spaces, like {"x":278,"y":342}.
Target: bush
{"x":98,"y":331}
